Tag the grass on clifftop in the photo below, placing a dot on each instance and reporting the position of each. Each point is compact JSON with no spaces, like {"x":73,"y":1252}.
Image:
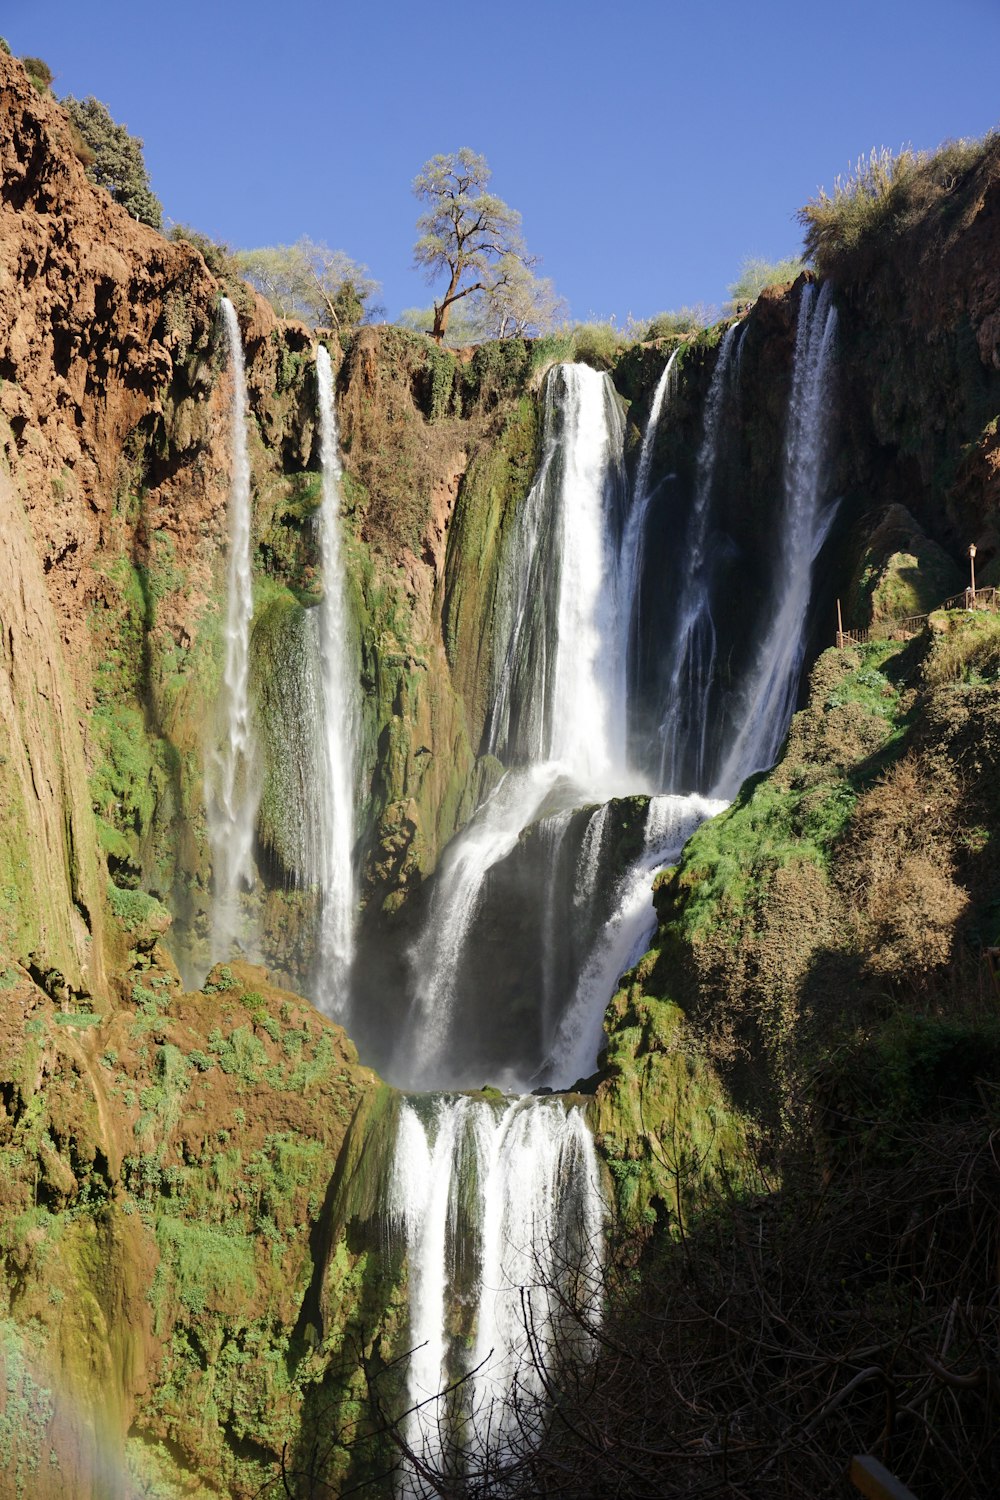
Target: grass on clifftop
{"x":884,"y":194}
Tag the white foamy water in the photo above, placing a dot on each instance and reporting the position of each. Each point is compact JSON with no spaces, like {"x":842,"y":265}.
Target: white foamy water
{"x":518,"y":1185}
{"x":624,"y":936}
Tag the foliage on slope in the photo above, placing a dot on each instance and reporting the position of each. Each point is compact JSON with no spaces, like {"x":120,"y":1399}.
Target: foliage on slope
{"x":849,"y":889}
{"x":166,"y":1177}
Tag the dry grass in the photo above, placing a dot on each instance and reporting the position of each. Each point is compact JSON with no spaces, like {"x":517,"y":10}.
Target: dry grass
{"x":883,"y":194}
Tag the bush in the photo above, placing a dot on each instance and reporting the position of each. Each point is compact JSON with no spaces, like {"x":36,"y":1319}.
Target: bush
{"x":756,"y":274}
{"x":681,"y":320}
{"x":39,"y":73}
{"x":966,"y":648}
{"x":597,"y":344}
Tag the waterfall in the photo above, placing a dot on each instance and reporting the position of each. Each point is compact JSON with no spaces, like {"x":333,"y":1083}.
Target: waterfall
{"x":553,"y":831}
{"x":559,"y":700}
{"x":768,"y":698}
{"x":341,"y":719}
{"x":633,"y":540}
{"x":423,"y":1055}
{"x":560,"y":688}
{"x":690,"y":665}
{"x":625,"y":935}
{"x":231,"y":775}
{"x":516,"y":1185}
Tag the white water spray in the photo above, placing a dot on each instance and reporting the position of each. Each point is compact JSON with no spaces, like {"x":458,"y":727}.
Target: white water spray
{"x":341,"y":719}
{"x":232,"y":775}
{"x":768,"y":698}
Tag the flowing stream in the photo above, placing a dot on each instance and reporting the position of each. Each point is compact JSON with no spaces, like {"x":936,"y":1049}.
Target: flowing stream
{"x":689,"y":667}
{"x":232,"y":772}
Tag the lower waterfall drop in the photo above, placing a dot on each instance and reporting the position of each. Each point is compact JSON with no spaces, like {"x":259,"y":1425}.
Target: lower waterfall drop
{"x":517,"y":1185}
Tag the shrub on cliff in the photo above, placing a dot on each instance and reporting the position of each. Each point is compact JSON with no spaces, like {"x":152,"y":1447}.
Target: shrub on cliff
{"x":756,"y":274}
{"x":883,"y":195}
{"x":39,"y":73}
{"x":118,"y":163}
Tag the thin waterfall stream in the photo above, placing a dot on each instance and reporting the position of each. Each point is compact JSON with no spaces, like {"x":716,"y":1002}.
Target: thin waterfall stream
{"x":341,"y":720}
{"x":233,"y":788}
{"x":768,"y":696}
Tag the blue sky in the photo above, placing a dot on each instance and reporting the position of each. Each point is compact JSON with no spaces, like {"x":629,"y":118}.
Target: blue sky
{"x":649,"y":147}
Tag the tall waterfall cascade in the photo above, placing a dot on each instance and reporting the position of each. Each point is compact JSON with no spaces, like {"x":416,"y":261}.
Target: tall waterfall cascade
{"x":505,"y":1201}
{"x":341,"y":720}
{"x":232,"y":772}
{"x":494,"y":1202}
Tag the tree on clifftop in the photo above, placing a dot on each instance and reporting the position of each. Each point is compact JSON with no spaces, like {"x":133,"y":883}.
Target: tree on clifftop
{"x":310,"y":281}
{"x":118,"y":163}
{"x":467,"y":233}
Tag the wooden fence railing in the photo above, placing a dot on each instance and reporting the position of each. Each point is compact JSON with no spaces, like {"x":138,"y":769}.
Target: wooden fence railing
{"x":903,"y":629}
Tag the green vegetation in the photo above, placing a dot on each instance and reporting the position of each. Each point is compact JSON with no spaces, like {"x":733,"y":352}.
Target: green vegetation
{"x":208,"y":1266}
{"x":39,"y":74}
{"x":118,"y":163}
{"x":27,"y":1409}
{"x":683,"y":320}
{"x":966,"y":648}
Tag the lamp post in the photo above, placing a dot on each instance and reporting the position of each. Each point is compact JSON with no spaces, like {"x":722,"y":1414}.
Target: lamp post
{"x":972,"y":575}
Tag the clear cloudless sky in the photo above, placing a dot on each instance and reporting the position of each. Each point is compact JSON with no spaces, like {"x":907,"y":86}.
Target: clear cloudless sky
{"x":650,"y":147}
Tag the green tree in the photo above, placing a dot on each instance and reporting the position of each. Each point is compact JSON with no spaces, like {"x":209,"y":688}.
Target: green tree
{"x":118,"y":163}
{"x":310,"y":281}
{"x":468,"y":234}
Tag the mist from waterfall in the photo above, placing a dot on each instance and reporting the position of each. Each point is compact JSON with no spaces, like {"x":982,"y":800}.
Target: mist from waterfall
{"x":232,"y":773}
{"x":505,"y":1200}
{"x":341,"y":721}
{"x":768,"y":696}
